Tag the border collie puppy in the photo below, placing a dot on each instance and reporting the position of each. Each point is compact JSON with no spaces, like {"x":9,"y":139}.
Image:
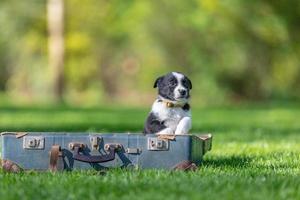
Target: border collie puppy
{"x":170,"y":112}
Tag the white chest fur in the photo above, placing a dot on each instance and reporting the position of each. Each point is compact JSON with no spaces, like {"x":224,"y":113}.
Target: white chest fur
{"x":170,"y":116}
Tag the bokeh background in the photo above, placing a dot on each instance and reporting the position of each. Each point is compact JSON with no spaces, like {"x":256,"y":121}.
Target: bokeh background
{"x":89,"y":66}
{"x":98,"y":51}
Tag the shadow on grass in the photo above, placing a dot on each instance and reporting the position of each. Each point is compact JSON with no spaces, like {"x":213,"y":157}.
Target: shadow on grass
{"x":123,"y":119}
{"x":232,"y":133}
{"x":230,"y":161}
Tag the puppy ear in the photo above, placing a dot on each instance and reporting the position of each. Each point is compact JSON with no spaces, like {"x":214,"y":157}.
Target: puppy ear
{"x":189,"y":82}
{"x":158,"y":80}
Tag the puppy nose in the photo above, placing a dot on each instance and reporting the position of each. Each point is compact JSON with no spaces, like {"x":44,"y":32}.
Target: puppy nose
{"x":182,"y":92}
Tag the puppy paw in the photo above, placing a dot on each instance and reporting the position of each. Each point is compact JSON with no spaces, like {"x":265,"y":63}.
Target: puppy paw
{"x":166,"y":131}
{"x":184,"y":126}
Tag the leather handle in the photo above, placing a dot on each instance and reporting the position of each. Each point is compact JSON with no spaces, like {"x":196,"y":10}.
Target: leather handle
{"x":111,"y":148}
{"x":55,"y":152}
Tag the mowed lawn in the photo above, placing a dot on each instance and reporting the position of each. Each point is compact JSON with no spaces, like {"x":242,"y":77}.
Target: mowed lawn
{"x":255,"y":155}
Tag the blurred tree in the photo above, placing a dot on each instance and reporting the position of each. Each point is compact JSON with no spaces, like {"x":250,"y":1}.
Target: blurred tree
{"x":4,"y":65}
{"x":232,"y":49}
{"x":55,"y":10}
{"x":22,"y":46}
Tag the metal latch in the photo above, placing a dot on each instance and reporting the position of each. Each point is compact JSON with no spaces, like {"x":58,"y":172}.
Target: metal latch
{"x":95,"y":142}
{"x":34,"y":142}
{"x":133,"y":150}
{"x":156,"y":144}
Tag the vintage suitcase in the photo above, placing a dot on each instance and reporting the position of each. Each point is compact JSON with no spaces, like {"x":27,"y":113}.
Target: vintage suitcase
{"x":68,"y":151}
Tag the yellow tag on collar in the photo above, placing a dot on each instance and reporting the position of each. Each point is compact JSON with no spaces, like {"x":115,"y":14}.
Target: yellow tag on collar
{"x":170,"y":105}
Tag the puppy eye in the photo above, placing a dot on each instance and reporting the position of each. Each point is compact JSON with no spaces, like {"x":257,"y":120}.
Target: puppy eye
{"x":172,"y":82}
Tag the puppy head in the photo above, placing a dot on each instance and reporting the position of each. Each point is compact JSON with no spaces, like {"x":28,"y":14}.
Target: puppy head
{"x":174,"y":86}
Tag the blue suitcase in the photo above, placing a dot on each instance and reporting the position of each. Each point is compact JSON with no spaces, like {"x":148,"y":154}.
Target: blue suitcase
{"x":68,"y":151}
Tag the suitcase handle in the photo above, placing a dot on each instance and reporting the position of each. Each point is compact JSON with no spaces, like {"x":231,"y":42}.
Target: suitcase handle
{"x":111,"y":148}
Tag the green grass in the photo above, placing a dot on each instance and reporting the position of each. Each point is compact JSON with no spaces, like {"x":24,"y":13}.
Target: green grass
{"x":255,"y":155}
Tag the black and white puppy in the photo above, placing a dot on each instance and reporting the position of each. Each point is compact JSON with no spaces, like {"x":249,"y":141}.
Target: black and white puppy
{"x":170,"y":112}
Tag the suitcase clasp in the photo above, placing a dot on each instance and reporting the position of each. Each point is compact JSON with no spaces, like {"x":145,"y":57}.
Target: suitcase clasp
{"x":156,"y":144}
{"x":95,"y":142}
{"x":34,"y":142}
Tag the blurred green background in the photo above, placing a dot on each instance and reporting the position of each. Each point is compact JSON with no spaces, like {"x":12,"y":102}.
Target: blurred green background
{"x":71,"y":65}
{"x":96,"y":52}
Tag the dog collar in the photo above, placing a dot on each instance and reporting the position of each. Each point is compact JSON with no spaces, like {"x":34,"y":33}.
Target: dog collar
{"x":169,"y":104}
{"x":172,"y":105}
